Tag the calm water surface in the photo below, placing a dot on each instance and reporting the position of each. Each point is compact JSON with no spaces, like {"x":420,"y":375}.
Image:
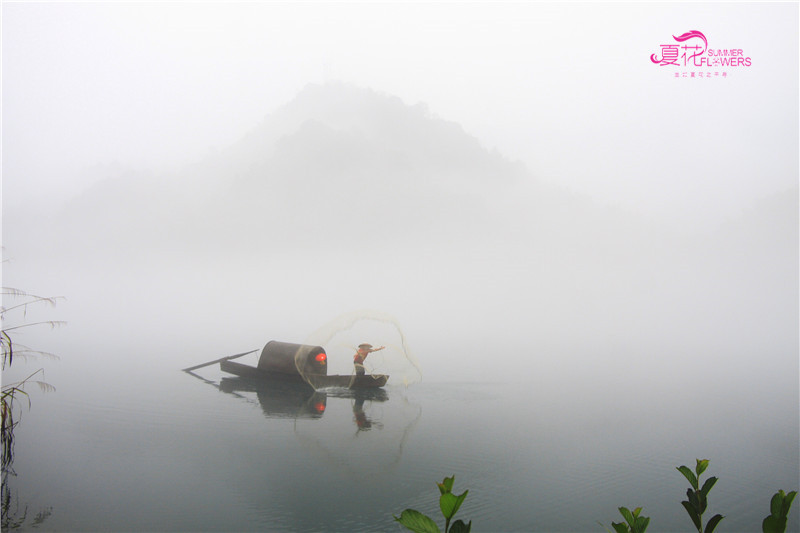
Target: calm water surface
{"x":161,"y":450}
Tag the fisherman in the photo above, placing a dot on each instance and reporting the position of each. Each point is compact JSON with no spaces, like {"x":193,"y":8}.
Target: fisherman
{"x":358,"y":359}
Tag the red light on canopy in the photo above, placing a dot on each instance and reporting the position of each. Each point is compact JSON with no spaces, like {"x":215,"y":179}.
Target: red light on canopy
{"x":320,"y":357}
{"x":319,"y":407}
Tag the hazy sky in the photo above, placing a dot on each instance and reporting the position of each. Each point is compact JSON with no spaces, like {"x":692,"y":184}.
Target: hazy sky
{"x":567,"y":88}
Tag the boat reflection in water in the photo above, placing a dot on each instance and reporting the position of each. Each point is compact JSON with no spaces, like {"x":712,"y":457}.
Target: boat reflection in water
{"x":280,"y":399}
{"x":350,"y":432}
{"x":283,"y":399}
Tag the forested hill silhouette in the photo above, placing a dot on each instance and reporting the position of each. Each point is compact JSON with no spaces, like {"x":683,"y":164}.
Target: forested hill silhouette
{"x":374,"y":128}
{"x":338,"y":165}
{"x":347,"y":168}
{"x":341,"y":165}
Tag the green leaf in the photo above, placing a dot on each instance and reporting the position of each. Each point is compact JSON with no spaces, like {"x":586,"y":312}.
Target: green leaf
{"x":713,"y":522}
{"x":702,"y":502}
{"x":773,"y":524}
{"x":626,"y":514}
{"x":776,"y":503}
{"x":702,"y":464}
{"x":688,"y":474}
{"x":707,"y":485}
{"x":636,"y":512}
{"x":417,"y":522}
{"x":619,"y":527}
{"x":693,"y":515}
{"x":787,"y":503}
{"x":694,"y":500}
{"x":460,"y":527}
{"x":446,"y":485}
{"x":449,"y":503}
{"x":641,"y":524}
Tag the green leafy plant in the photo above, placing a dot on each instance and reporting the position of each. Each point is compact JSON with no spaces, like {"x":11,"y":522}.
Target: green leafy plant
{"x":697,"y":496}
{"x":635,"y":523}
{"x":779,"y":512}
{"x":449,"y":504}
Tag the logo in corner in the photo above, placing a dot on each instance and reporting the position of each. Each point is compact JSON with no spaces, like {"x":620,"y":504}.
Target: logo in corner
{"x":691,"y":50}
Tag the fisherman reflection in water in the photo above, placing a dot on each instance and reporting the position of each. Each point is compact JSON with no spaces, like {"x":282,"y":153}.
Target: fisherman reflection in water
{"x":358,"y":359}
{"x":360,"y":416}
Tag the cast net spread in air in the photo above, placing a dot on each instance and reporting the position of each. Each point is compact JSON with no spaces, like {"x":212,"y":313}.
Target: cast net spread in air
{"x":342,"y":336}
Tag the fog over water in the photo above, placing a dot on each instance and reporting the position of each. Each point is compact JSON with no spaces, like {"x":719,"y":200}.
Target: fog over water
{"x":517,"y":186}
{"x":410,"y":192}
{"x":359,"y":201}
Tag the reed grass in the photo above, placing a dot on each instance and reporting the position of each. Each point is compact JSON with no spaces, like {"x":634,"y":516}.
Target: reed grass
{"x":13,"y":394}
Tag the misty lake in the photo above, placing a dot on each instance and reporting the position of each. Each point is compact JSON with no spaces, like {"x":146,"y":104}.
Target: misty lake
{"x":590,"y":263}
{"x":567,"y":355}
{"x":151,"y":448}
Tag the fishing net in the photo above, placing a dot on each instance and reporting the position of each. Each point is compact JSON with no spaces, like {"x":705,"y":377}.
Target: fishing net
{"x":341,"y":338}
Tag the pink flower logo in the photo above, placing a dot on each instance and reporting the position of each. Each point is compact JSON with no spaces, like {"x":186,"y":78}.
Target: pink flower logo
{"x":670,"y":53}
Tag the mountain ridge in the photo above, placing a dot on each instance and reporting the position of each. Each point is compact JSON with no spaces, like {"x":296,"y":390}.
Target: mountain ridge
{"x":342,"y":166}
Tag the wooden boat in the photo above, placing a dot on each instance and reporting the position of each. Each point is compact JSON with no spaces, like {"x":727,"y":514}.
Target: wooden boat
{"x":294,"y":363}
{"x":366,"y":381}
{"x":317,"y":381}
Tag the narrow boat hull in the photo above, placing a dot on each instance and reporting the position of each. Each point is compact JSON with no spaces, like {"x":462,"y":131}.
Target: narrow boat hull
{"x":317,"y":381}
